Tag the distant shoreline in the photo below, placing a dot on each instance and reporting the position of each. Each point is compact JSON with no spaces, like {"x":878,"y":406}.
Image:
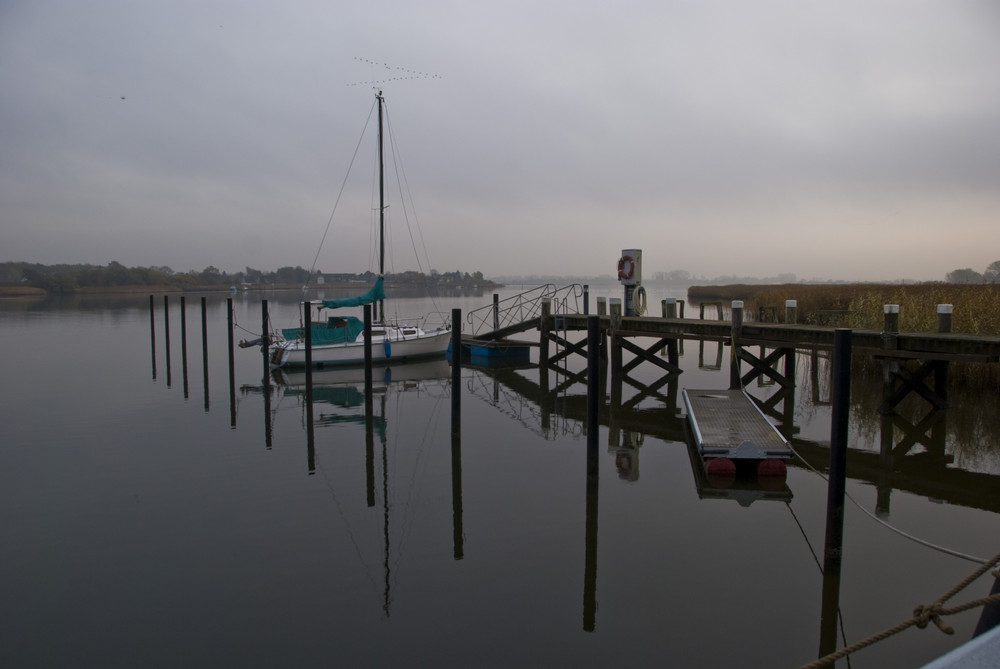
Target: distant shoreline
{"x":10,"y":291}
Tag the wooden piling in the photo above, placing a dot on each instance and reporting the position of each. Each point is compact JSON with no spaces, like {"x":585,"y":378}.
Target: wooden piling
{"x":204,"y":347}
{"x":616,"y":349}
{"x":836,"y":481}
{"x":544,"y":326}
{"x":944,"y":312}
{"x":593,"y":474}
{"x":152,"y":332}
{"x":734,"y":360}
{"x":307,"y":332}
{"x":166,"y":334}
{"x":367,"y":315}
{"x":184,"y":348}
{"x":458,"y":532}
{"x":232,"y":363}
{"x":586,"y":299}
{"x":890,"y":327}
{"x":838,"y":442}
{"x":602,"y":310}
{"x":791,"y":311}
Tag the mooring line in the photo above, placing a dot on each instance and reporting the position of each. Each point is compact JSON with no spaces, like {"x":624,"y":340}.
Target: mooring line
{"x":923,"y":542}
{"x":922,"y":615}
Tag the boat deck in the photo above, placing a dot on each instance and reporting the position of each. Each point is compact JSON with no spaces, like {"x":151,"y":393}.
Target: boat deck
{"x":727,"y":424}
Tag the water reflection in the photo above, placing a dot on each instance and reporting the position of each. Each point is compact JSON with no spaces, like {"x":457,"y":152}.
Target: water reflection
{"x":552,"y":403}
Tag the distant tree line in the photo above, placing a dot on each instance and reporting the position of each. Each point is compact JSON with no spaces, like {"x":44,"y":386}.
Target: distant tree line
{"x":73,"y":278}
{"x":968,"y":275}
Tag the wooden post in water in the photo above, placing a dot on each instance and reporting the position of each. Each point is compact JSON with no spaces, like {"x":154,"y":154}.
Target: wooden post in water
{"x":669,"y":307}
{"x":369,"y":409}
{"x":496,"y":311}
{"x":890,"y":327}
{"x":735,"y":381}
{"x":791,"y":311}
{"x":166,"y":334}
{"x":833,"y":552}
{"x":458,"y":533}
{"x":941,"y":366}
{"x":586,"y":299}
{"x":544,"y":326}
{"x":593,"y":474}
{"x":368,"y":349}
{"x":152,"y":332}
{"x":602,"y":310}
{"x":616,"y":350}
{"x":307,"y":332}
{"x":204,"y":347}
{"x":232,"y":363}
{"x":184,"y":347}
{"x":264,"y":334}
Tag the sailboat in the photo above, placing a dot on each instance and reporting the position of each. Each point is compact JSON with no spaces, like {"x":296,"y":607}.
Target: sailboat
{"x":340,"y":340}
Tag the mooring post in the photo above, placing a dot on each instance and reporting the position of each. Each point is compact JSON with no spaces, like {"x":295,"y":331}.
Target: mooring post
{"x":890,"y":327}
{"x":669,"y":307}
{"x":496,"y":311}
{"x":593,"y":474}
{"x":593,"y":380}
{"x":616,"y":349}
{"x":602,"y":310}
{"x":457,"y":527}
{"x":791,"y":311}
{"x":369,"y":408}
{"x":152,"y":332}
{"x":734,"y":359}
{"x":367,"y":315}
{"x":166,"y":334}
{"x":544,"y":325}
{"x":204,"y":347}
{"x":184,"y":347}
{"x":941,"y":366}
{"x":456,"y":362}
{"x":586,"y":299}
{"x":232,"y":363}
{"x":307,"y":332}
{"x":833,"y":552}
{"x":264,"y":328}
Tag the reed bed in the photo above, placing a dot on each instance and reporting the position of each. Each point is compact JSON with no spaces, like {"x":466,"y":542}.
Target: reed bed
{"x":976,"y":307}
{"x":976,"y":310}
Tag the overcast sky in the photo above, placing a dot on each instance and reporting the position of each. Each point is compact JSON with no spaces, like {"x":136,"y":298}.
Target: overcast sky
{"x":854,"y":140}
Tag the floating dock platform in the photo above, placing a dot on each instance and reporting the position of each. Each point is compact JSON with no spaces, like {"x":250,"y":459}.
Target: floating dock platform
{"x":727,"y":424}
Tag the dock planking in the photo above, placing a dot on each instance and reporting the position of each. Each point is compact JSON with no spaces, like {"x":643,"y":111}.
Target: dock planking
{"x":727,"y":424}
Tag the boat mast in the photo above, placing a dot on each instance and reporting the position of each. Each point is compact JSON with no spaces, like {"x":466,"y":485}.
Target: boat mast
{"x":380,"y":316}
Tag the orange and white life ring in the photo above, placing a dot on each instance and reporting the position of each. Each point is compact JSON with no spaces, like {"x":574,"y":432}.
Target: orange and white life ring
{"x":626,"y":268}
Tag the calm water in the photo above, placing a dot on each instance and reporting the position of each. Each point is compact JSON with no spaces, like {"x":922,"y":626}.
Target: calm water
{"x":143,"y":528}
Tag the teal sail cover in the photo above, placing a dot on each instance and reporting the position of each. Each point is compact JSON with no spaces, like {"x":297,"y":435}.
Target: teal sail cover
{"x":376,"y":293}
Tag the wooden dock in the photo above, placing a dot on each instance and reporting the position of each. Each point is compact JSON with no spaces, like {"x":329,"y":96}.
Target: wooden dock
{"x":728,"y":424}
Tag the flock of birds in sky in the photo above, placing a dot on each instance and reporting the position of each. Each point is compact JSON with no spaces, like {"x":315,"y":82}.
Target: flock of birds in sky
{"x":402,"y":73}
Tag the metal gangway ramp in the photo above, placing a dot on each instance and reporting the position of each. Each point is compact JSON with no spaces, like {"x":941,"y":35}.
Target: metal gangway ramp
{"x":728,"y":424}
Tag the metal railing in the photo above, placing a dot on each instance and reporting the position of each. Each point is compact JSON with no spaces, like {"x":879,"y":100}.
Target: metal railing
{"x":525,"y":306}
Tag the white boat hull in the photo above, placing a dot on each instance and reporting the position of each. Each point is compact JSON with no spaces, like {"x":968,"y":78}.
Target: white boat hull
{"x":391,"y":348}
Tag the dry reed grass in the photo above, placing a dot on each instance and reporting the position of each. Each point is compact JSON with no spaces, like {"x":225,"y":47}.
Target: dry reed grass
{"x":976,"y":310}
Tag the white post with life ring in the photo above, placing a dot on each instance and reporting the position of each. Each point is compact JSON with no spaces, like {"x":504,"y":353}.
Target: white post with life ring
{"x":630,"y":276}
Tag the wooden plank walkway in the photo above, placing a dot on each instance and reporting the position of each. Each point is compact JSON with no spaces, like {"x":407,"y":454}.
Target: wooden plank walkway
{"x":727,"y":424}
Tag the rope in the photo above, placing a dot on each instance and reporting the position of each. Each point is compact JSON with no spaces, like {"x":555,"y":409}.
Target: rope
{"x":922,"y":615}
{"x":922,"y":542}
